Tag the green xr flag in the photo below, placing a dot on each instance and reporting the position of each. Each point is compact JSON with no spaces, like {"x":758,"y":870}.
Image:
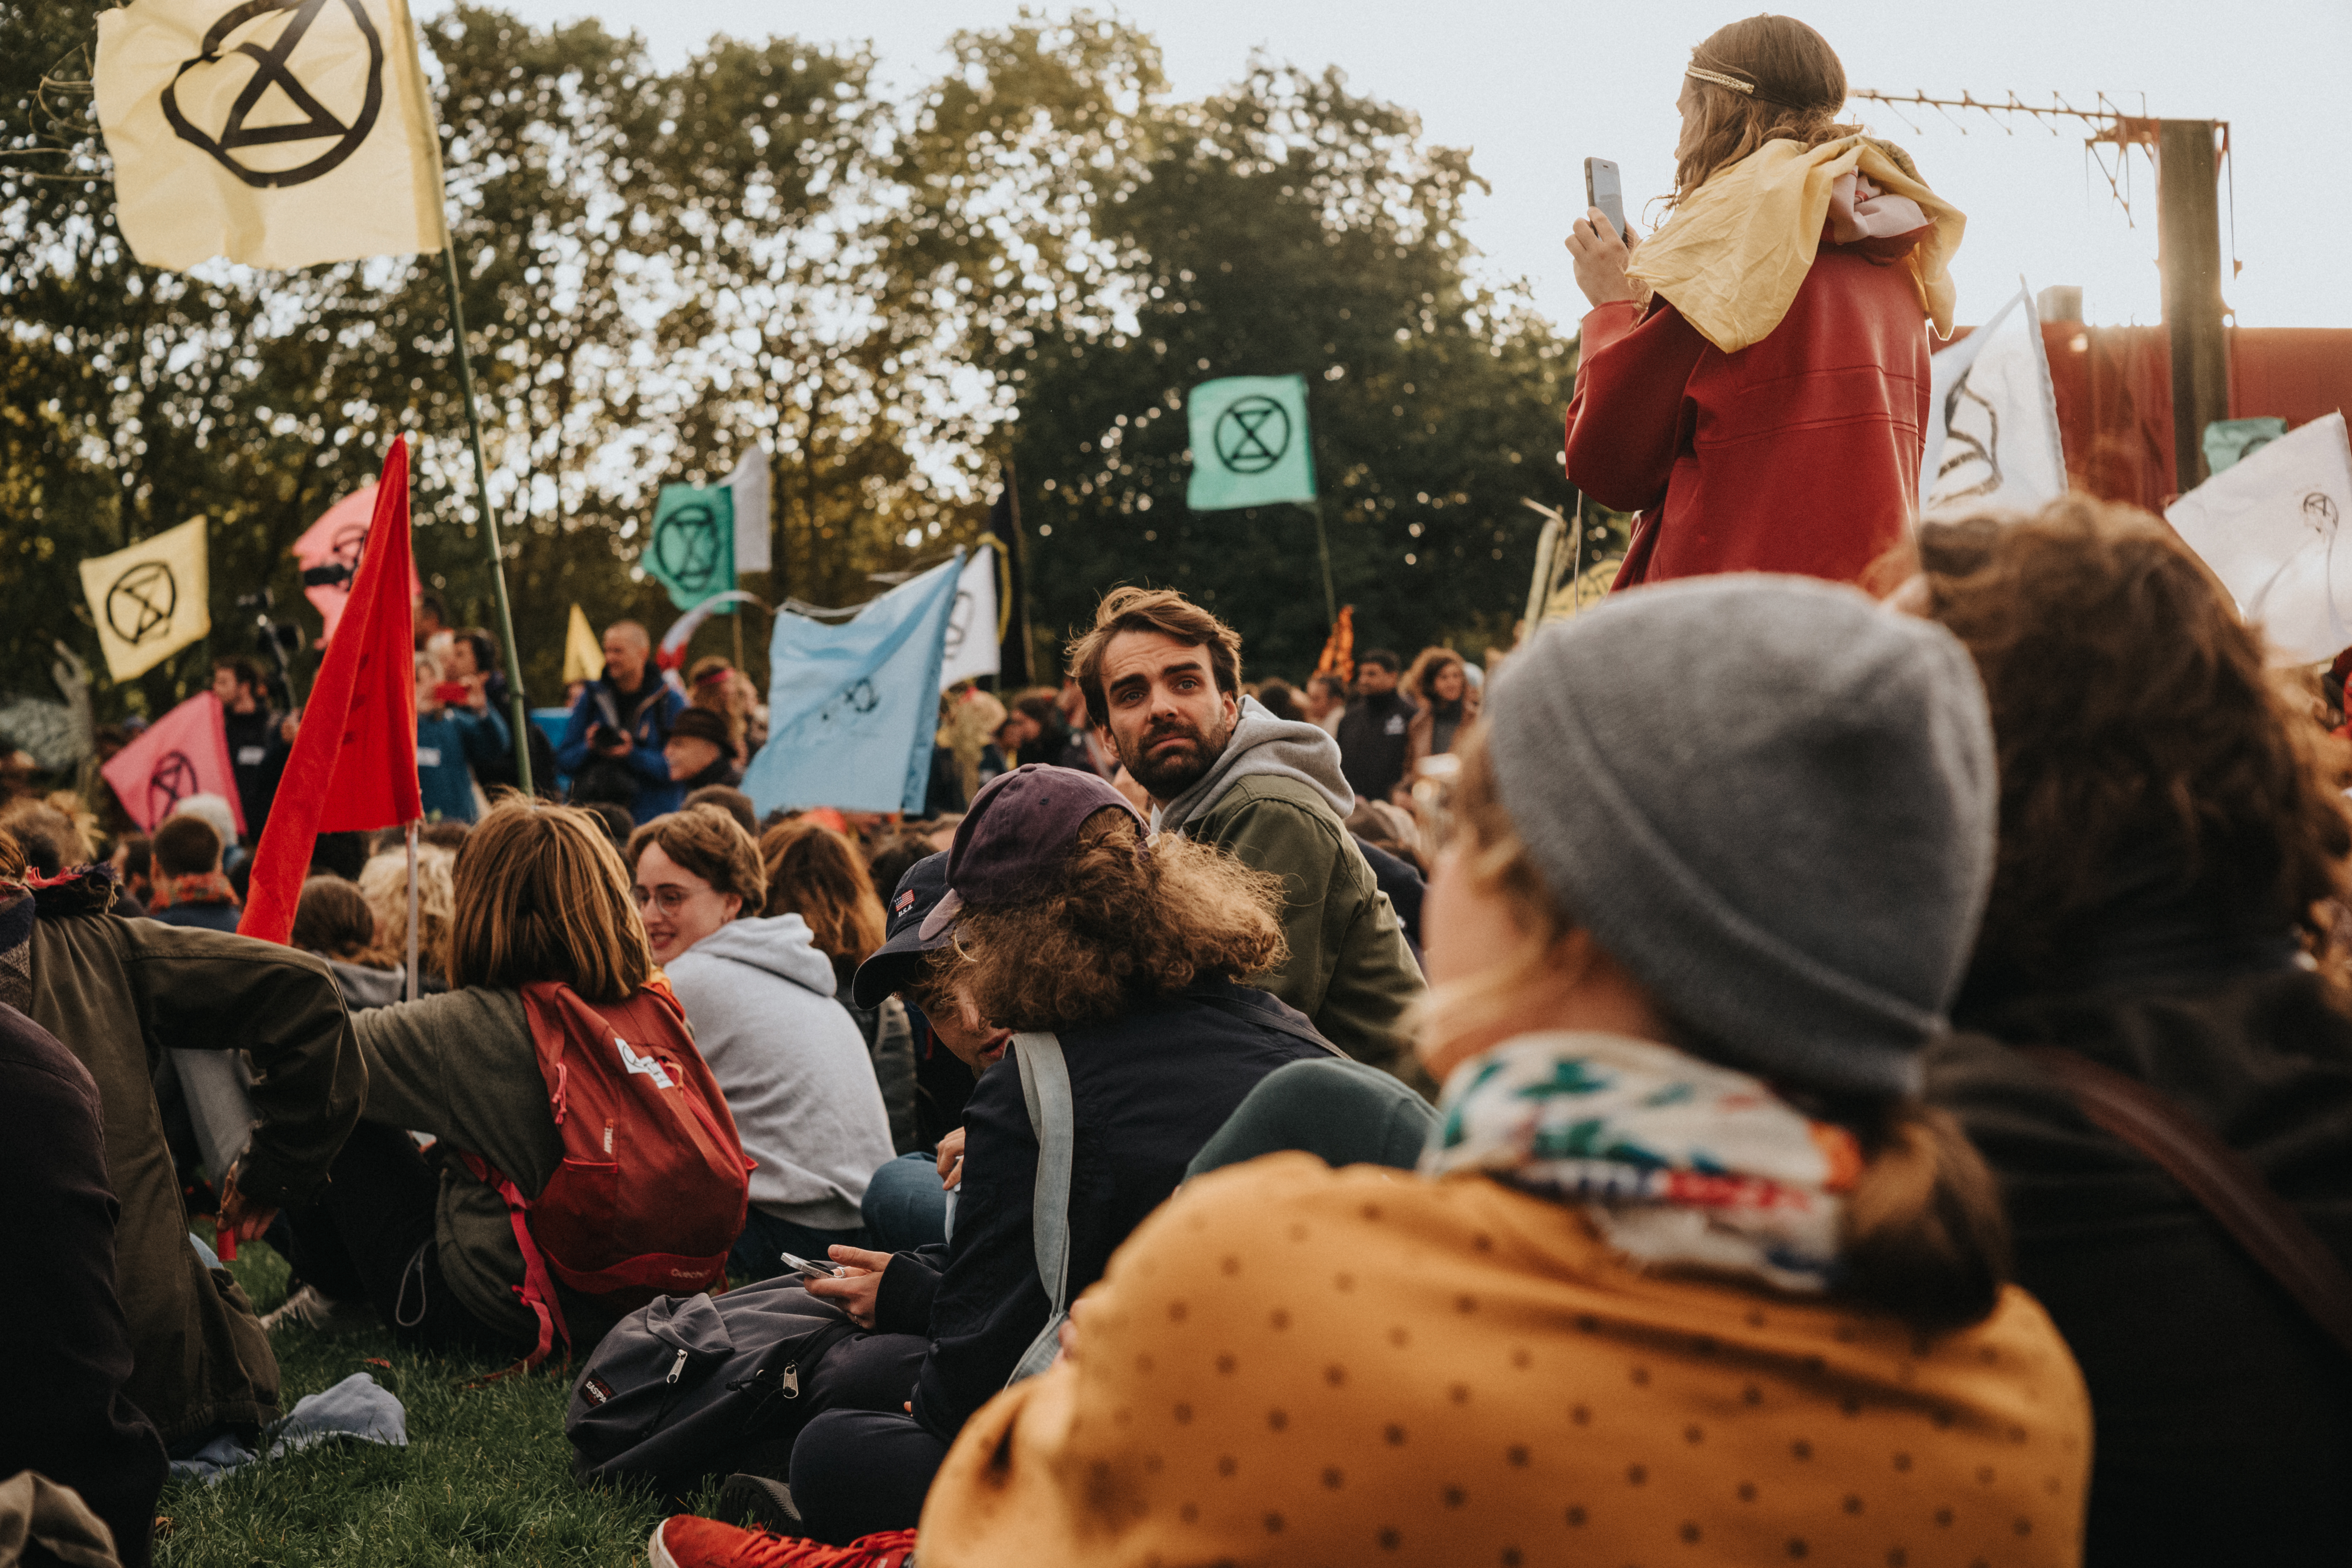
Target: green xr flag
{"x":1249,"y":442}
{"x":692,"y":552}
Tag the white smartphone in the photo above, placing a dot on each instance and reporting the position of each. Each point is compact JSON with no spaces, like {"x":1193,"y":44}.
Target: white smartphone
{"x":1603,"y":190}
{"x":808,"y":1270}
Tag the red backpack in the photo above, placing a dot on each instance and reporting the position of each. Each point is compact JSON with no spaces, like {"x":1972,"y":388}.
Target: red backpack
{"x":653,"y":1186}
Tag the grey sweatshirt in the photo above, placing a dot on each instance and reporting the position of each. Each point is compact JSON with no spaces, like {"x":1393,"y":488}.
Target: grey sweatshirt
{"x":792,"y":1065}
{"x":1264,"y":745}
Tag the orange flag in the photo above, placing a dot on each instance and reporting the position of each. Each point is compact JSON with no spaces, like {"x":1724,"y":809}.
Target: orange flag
{"x":354,"y":765}
{"x":1340,"y":652}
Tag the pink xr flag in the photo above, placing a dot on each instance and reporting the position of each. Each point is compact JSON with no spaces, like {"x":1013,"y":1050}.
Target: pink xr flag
{"x":185,"y":753}
{"x":330,"y":549}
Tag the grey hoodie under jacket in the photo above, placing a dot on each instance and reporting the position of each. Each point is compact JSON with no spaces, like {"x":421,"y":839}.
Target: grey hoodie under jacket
{"x":1264,"y":745}
{"x":792,"y":1065}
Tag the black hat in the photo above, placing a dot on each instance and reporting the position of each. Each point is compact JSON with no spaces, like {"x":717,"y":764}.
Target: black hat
{"x":900,"y":958}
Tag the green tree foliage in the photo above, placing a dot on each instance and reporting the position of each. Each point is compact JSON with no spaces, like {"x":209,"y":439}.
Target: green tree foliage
{"x":1033,"y":258}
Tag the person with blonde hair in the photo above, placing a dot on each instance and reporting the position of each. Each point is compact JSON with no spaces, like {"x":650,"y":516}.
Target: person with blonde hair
{"x":538,"y":894}
{"x":1755,"y":379}
{"x":759,"y":991}
{"x":383,"y":883}
{"x":1690,"y":1273}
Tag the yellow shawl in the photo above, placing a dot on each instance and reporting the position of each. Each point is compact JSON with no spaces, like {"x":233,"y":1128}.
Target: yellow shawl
{"x":1733,"y":257}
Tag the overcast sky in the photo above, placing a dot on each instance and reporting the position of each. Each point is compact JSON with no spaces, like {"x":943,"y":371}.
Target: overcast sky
{"x":1533,"y":88}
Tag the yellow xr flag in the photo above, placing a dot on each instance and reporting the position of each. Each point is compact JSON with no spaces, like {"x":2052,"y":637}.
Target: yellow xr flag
{"x":274,"y":133}
{"x":583,"y":655}
{"x":149,"y":600}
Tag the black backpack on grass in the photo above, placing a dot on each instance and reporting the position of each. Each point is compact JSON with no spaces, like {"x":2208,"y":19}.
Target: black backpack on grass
{"x":683,"y":1388}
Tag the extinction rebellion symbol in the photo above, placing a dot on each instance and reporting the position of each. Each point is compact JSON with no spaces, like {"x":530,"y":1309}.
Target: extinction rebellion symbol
{"x":686,"y":547}
{"x":173,"y":780}
{"x":1253,"y":435}
{"x":271,"y":69}
{"x":139,"y":606}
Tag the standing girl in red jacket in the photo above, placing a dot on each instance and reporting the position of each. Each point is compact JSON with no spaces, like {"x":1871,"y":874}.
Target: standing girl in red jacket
{"x":1754,"y":380}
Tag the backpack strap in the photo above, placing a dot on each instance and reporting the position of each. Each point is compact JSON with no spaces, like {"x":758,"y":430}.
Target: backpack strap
{"x":538,"y":1289}
{"x":1045,"y":1086}
{"x":1265,"y":1019}
{"x":2223,"y":1182}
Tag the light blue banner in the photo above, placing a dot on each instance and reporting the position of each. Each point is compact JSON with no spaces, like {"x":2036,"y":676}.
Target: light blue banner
{"x":852,"y":706}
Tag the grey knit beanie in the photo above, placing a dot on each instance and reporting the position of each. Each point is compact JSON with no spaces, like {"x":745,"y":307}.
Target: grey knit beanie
{"x":1773,"y":802}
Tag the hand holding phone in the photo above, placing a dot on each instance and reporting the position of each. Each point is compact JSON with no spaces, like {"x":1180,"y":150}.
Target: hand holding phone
{"x":810,"y":1270}
{"x":1602,"y":189}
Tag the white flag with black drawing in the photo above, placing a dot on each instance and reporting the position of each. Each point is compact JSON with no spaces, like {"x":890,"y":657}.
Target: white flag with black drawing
{"x":972,"y":648}
{"x":1992,"y":421}
{"x":755,"y":518}
{"x":274,"y":133}
{"x":2267,"y":526}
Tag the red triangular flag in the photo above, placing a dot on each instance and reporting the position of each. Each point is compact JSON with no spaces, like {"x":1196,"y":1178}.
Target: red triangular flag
{"x":353,"y":766}
{"x":185,"y":753}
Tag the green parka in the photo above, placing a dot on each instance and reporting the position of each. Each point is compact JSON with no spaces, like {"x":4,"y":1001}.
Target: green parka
{"x":118,"y":993}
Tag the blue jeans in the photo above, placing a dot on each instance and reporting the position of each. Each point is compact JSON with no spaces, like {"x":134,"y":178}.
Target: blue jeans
{"x":905,"y":1206}
{"x":758,"y":1252}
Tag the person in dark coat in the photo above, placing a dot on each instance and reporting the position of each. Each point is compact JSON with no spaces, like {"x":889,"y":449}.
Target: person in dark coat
{"x":1161,"y":1045}
{"x":68,"y":1416}
{"x":1375,"y":736}
{"x":259,"y":740}
{"x":2168,"y":847}
{"x":118,"y":994}
{"x":187,"y":886}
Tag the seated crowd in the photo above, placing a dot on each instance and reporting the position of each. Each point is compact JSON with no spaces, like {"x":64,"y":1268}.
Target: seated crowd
{"x":1657,"y":1104}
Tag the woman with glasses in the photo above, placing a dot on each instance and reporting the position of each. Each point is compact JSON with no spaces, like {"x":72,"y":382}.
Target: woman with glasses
{"x":789,"y":1058}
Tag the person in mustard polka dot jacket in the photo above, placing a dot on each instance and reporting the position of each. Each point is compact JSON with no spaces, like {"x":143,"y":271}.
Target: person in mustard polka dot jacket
{"x":1689,"y":1274}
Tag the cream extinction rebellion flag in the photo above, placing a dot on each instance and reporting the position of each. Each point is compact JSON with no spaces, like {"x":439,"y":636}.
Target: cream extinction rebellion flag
{"x":274,"y":133}
{"x":149,"y":600}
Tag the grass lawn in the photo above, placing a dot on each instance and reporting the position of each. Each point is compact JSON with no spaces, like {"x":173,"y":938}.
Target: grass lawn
{"x":486,"y":1477}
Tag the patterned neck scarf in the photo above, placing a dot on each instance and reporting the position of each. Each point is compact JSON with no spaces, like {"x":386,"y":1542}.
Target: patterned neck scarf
{"x":200,"y":888}
{"x":1676,"y":1161}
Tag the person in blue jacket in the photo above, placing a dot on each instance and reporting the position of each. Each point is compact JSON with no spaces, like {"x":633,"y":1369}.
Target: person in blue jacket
{"x":612,"y":744}
{"x":451,"y":742}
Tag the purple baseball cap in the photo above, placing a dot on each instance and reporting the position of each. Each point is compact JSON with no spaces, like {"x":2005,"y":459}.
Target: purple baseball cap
{"x":1018,"y":829}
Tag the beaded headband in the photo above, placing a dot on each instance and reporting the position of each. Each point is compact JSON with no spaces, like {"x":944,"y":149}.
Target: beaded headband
{"x":1733,"y":82}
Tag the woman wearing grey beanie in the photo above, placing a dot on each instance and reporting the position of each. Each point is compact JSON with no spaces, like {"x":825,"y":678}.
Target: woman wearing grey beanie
{"x":1688,"y":1273}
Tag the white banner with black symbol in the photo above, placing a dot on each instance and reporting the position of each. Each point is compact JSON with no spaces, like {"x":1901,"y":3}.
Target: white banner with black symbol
{"x":1992,"y":422}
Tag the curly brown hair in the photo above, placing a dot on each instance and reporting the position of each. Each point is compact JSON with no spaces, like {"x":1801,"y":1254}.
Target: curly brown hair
{"x":708,"y":843}
{"x":1116,"y":925}
{"x":2134,"y":715}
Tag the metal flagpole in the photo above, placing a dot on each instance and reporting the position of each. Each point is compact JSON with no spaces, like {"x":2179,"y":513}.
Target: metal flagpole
{"x":412,"y":911}
{"x":520,"y":715}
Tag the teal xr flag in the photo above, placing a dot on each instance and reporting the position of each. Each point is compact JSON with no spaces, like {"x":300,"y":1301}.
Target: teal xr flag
{"x":1249,"y":442}
{"x":852,"y":706}
{"x":692,"y":552}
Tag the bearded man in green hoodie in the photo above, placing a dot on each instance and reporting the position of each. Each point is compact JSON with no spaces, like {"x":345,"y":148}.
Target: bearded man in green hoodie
{"x":1161,"y":678}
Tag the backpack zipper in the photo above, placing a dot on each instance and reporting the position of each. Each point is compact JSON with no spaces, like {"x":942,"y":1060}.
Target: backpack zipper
{"x":676,"y":1367}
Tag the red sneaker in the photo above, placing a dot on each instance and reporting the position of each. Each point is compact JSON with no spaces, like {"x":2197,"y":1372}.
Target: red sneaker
{"x":685,"y":1541}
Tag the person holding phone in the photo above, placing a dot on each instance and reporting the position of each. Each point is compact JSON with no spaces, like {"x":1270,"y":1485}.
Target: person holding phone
{"x":457,"y":731}
{"x":1755,"y":377}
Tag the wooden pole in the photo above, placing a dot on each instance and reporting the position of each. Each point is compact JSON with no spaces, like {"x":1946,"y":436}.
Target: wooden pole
{"x":2189,"y":251}
{"x":413,"y":993}
{"x":520,"y":714}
